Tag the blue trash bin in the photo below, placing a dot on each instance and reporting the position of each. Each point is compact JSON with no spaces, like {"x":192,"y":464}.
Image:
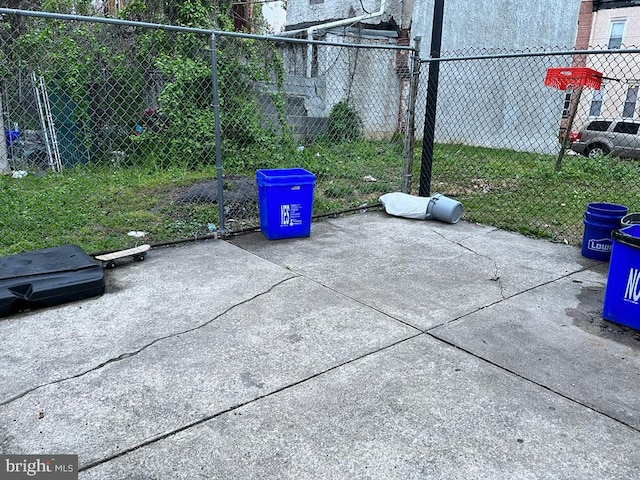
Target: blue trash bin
{"x":622,"y":294}
{"x":285,"y":200}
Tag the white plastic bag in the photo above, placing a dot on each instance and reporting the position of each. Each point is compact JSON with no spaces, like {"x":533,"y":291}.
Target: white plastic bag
{"x":404,"y":205}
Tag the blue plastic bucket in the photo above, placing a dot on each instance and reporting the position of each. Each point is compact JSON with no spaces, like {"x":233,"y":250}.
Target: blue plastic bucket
{"x":285,"y":200}
{"x":622,"y":294}
{"x":600,"y":220}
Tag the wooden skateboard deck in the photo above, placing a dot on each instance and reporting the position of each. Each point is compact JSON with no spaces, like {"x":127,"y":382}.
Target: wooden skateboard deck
{"x":137,"y":253}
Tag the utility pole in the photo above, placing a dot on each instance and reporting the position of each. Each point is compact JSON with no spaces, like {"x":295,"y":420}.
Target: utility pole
{"x":432,"y":98}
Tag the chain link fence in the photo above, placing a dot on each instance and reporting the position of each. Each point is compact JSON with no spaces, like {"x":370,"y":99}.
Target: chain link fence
{"x":498,"y":134}
{"x":118,"y":129}
{"x":115,"y":129}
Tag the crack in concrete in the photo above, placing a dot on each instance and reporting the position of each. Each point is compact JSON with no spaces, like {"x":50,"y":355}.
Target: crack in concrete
{"x":534,"y":382}
{"x":420,"y":332}
{"x":496,"y":269}
{"x":171,"y":433}
{"x":157,"y":438}
{"x":526,"y":290}
{"x":360,"y":302}
{"x":126,"y":355}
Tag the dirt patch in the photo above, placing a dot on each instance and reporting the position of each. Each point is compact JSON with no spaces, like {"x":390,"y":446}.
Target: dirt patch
{"x":240,"y":189}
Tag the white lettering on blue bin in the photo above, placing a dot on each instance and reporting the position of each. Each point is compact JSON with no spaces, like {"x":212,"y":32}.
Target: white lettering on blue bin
{"x":600,"y":245}
{"x":285,"y":212}
{"x":290,"y":215}
{"x":632,"y":294}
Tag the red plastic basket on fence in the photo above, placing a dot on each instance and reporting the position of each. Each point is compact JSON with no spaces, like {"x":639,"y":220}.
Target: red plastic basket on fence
{"x":573,"y":77}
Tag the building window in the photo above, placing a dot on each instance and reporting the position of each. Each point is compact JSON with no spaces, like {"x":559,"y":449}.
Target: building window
{"x":629,"y":108}
{"x":567,"y":103}
{"x":596,"y":103}
{"x":615,"y":37}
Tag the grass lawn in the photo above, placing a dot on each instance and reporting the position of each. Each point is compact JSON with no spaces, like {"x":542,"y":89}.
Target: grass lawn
{"x":521,"y":191}
{"x":95,"y":206}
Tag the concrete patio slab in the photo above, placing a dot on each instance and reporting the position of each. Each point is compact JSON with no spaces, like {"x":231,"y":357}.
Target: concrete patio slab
{"x":295,"y":331}
{"x":415,"y":270}
{"x":420,"y":409}
{"x":376,"y":348}
{"x":566,"y":347}
{"x":172,"y":291}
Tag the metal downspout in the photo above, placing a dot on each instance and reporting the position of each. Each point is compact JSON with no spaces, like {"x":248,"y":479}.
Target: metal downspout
{"x":311,"y":31}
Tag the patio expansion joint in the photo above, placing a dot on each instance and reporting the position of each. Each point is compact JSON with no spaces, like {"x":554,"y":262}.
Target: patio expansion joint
{"x":503,"y":299}
{"x":200,"y":421}
{"x":133,"y":353}
{"x":360,"y":302}
{"x":431,"y":332}
{"x":533,"y":382}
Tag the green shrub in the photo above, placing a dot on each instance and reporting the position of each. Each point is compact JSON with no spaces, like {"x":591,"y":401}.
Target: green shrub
{"x":345,"y":122}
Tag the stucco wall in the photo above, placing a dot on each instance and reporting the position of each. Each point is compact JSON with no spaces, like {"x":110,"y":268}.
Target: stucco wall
{"x":304,"y":11}
{"x":492,"y":103}
{"x":498,"y":103}
{"x":369,"y":81}
{"x":367,"y":78}
{"x":509,"y":24}
{"x":476,"y":106}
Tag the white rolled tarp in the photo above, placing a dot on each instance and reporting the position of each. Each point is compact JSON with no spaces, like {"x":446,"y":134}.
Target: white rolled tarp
{"x":438,"y":207}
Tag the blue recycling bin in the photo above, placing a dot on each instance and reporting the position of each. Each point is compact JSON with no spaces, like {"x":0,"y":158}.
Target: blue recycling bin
{"x":285,"y":201}
{"x":11,"y":136}
{"x":622,"y":294}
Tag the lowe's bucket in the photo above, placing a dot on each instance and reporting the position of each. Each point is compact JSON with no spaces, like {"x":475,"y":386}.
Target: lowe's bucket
{"x":600,"y":219}
{"x":444,"y":209}
{"x":622,"y":294}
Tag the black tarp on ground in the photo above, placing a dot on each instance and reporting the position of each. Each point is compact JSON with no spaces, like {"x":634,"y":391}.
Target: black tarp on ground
{"x":46,"y":277}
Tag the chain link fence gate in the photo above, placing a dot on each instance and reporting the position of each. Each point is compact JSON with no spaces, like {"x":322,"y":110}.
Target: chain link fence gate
{"x":118,"y":128}
{"x":336,"y":108}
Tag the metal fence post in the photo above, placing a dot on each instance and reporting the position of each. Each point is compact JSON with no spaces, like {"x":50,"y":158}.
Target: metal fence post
{"x":216,"y":113}
{"x":4,"y":157}
{"x":409,"y":135}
